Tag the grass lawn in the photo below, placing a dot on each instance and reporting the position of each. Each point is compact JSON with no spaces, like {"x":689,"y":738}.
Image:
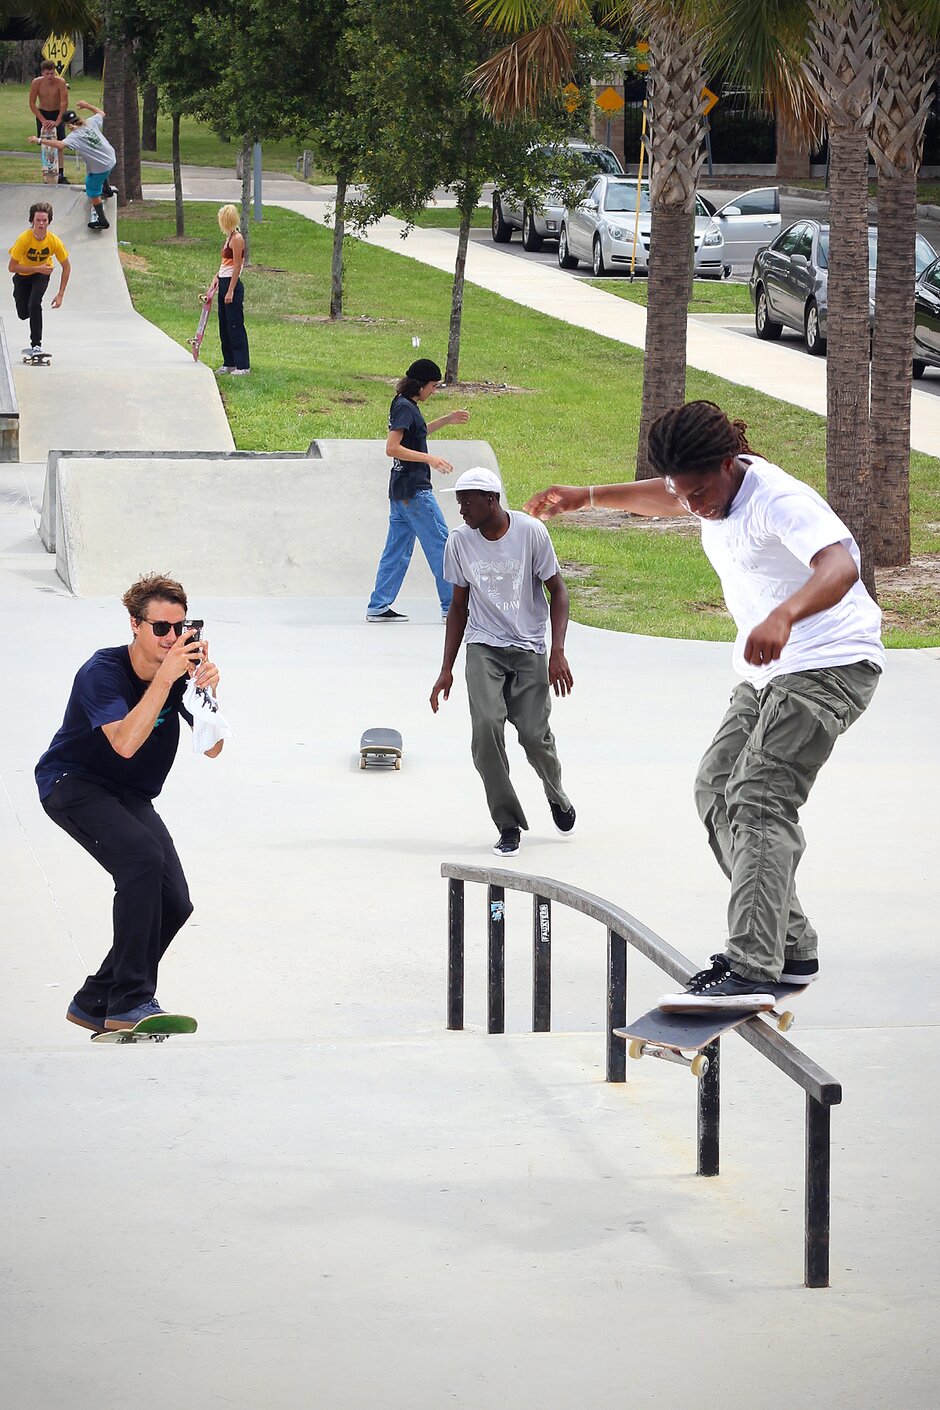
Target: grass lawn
{"x":928,"y":192}
{"x":199,"y":145}
{"x":708,"y":295}
{"x":311,"y":378}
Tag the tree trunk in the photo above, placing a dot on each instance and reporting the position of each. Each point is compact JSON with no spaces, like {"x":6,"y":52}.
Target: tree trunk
{"x":131,"y":191}
{"x":148,"y":134}
{"x":112,"y":101}
{"x":178,"y":178}
{"x":792,"y":154}
{"x":246,"y":190}
{"x":892,"y":358}
{"x":339,"y":230}
{"x":667,"y":314}
{"x":456,"y":298}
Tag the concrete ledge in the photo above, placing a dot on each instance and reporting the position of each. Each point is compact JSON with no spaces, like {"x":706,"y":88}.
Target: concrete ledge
{"x":233,"y":524}
{"x":9,"y":406}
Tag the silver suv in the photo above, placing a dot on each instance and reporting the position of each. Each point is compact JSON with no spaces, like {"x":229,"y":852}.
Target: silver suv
{"x":542,"y":222}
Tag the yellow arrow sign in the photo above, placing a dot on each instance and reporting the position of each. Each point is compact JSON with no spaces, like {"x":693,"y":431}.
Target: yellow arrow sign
{"x":643,"y":50}
{"x":609,"y":101}
{"x":710,"y":100}
{"x":571,"y":94}
{"x":60,"y":48}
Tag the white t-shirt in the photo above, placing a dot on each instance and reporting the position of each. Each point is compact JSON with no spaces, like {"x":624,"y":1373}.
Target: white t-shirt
{"x":762,"y":552}
{"x":507,"y":604}
{"x":91,"y":144}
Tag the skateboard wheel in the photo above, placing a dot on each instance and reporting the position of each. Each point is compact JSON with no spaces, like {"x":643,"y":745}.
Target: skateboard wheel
{"x":699,"y":1065}
{"x":785,"y":1021}
{"x":398,"y":763}
{"x":362,"y":762}
{"x":635,"y":1048}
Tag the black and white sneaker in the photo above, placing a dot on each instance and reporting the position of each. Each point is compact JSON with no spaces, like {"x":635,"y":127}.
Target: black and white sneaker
{"x":718,"y":988}
{"x":563,"y":818}
{"x":387,"y":616}
{"x":508,"y":842}
{"x":799,"y":971}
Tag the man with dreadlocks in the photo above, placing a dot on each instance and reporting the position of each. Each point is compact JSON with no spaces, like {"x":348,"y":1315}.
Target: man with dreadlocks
{"x":809,"y":649}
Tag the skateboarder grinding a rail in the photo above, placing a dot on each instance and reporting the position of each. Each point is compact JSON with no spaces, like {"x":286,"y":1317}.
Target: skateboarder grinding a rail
{"x":87,"y":139}
{"x":48,"y":101}
{"x":31,"y":256}
{"x":414,"y":513}
{"x":501,"y":565}
{"x":97,"y":781}
{"x":809,"y":649}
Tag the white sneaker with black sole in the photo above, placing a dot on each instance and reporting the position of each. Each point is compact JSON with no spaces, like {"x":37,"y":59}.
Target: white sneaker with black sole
{"x":718,"y":989}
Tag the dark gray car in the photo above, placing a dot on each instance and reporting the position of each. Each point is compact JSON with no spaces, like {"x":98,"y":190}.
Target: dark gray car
{"x":927,"y":320}
{"x":789,"y":282}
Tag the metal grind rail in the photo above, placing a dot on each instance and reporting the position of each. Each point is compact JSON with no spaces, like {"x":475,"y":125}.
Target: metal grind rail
{"x":822,"y":1090}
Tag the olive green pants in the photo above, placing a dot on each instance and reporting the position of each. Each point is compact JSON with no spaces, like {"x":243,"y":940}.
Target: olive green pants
{"x":750,"y":786}
{"x":506,"y":683}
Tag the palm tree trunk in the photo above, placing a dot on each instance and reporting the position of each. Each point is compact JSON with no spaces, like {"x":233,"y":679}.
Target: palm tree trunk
{"x":666,"y":322}
{"x":132,"y":177}
{"x":178,"y":178}
{"x":339,"y":231}
{"x":112,"y":101}
{"x":456,"y":300}
{"x":892,"y":358}
{"x":148,"y":133}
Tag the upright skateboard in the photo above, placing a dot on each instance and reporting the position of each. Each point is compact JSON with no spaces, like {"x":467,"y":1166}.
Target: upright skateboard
{"x":672,"y":1036}
{"x":380,"y":746}
{"x":49,"y":157}
{"x":37,"y":359}
{"x":149,"y":1030}
{"x":196,"y":342}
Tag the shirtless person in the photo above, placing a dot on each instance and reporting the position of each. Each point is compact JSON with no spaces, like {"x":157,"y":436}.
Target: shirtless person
{"x":48,"y":100}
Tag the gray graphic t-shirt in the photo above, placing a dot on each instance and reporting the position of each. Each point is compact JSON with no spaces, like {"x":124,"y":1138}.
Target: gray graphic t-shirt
{"x":508,"y":606}
{"x":91,"y":145}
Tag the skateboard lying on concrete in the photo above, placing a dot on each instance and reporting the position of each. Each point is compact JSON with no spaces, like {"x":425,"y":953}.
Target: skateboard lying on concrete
{"x":149,"y":1030}
{"x":196,"y":342}
{"x":37,"y":359}
{"x":381,"y":746}
{"x":672,"y":1036}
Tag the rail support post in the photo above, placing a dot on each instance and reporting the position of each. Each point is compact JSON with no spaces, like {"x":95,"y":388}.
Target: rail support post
{"x":709,"y":1112}
{"x":496,"y":960}
{"x":616,"y":1006}
{"x":816,"y":1263}
{"x":455,"y":954}
{"x":541,"y":964}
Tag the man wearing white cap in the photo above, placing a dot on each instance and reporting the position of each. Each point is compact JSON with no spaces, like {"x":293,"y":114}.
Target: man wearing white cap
{"x":501,"y":565}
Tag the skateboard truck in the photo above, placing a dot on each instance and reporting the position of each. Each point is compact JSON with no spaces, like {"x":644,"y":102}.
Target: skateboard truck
{"x":697,"y":1065}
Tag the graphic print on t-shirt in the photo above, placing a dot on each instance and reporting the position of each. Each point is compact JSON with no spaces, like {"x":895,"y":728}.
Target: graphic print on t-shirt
{"x":500,"y":580}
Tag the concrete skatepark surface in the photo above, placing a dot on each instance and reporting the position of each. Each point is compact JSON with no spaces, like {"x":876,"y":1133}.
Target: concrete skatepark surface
{"x":322,"y":1198}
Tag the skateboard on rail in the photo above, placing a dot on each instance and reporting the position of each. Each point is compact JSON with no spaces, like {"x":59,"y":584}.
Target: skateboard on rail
{"x":37,"y":359}
{"x":196,"y":342}
{"x":673,"y":1036}
{"x":49,"y":157}
{"x":380,"y":746}
{"x":149,"y":1030}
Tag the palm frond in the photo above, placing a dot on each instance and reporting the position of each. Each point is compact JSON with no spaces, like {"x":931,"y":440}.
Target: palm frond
{"x":517,"y":79}
{"x":526,"y":16}
{"x":762,"y":48}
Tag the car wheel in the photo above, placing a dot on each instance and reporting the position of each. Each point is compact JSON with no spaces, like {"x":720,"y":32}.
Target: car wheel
{"x":597,"y":261}
{"x":918,"y":369}
{"x":815,"y":343}
{"x":565,"y":260}
{"x":531,"y":239}
{"x":763,"y":323}
{"x":502,"y":233}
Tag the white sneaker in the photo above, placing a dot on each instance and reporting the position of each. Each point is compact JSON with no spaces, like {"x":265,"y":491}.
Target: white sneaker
{"x":240,"y":371}
{"x":220,"y":370}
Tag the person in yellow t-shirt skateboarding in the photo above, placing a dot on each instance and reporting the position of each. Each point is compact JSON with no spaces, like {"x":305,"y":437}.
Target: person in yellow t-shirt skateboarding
{"x":31,"y":256}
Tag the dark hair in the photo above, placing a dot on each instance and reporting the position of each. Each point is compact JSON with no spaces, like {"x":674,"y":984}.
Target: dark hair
{"x":40,"y":206}
{"x":694,"y":439}
{"x":155,"y":585}
{"x":408,"y":387}
{"x":47,"y":64}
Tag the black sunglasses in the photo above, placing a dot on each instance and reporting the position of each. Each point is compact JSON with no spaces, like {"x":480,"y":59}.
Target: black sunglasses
{"x":163,"y":628}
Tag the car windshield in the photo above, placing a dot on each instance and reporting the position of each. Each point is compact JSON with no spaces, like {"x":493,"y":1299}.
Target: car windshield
{"x":621,"y":196}
{"x":923,"y":251}
{"x":593,"y":159}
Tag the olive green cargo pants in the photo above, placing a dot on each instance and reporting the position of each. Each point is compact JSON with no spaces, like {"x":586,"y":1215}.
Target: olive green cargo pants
{"x":750,"y":786}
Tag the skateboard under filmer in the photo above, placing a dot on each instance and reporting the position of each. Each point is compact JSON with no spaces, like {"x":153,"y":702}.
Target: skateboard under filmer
{"x":380,"y":746}
{"x":196,"y":342}
{"x":38,"y":359}
{"x":149,"y":1030}
{"x":672,"y":1036}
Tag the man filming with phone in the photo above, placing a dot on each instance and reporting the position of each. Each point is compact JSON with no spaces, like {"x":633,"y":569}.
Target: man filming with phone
{"x":97,"y":781}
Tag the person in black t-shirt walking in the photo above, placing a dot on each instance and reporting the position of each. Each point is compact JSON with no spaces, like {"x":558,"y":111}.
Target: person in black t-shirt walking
{"x":414,"y":513}
{"x":97,"y":780}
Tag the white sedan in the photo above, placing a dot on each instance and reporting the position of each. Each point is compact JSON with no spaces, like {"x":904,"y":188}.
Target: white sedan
{"x":599,"y":229}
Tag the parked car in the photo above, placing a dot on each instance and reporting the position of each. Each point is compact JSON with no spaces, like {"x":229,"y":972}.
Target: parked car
{"x":789,"y":282}
{"x":927,"y":319}
{"x":542,"y":221}
{"x":599,"y":228}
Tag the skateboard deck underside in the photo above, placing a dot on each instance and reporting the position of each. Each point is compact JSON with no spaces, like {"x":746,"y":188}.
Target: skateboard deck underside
{"x":381,"y":744}
{"x":196,"y":343}
{"x":50,"y":158}
{"x":693,"y":1031}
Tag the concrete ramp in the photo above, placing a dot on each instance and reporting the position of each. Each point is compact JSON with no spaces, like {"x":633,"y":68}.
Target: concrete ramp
{"x":234,"y":525}
{"x":115,"y":381}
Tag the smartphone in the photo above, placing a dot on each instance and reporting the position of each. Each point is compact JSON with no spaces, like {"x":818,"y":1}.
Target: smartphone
{"x":194,"y":625}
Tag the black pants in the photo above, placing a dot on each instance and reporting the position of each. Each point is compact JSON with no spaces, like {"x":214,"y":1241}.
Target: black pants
{"x":232,"y":325}
{"x":151,"y":899}
{"x":28,"y":293}
{"x":49,"y":114}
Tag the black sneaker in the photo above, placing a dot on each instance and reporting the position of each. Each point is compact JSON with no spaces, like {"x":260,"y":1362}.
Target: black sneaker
{"x":387,"y":616}
{"x":563,"y":818}
{"x":508,"y":843}
{"x":799,"y":971}
{"x":718,"y":987}
{"x":63,"y":179}
{"x":107,"y":191}
{"x":99,"y":223}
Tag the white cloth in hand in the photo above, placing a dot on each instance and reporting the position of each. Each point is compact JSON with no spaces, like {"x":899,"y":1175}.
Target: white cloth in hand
{"x":209,"y":724}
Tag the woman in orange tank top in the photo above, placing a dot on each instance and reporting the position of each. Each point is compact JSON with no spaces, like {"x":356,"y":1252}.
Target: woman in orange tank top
{"x":231,"y":291}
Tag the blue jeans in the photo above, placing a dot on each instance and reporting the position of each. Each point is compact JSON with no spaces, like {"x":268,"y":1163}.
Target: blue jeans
{"x":409,"y":519}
